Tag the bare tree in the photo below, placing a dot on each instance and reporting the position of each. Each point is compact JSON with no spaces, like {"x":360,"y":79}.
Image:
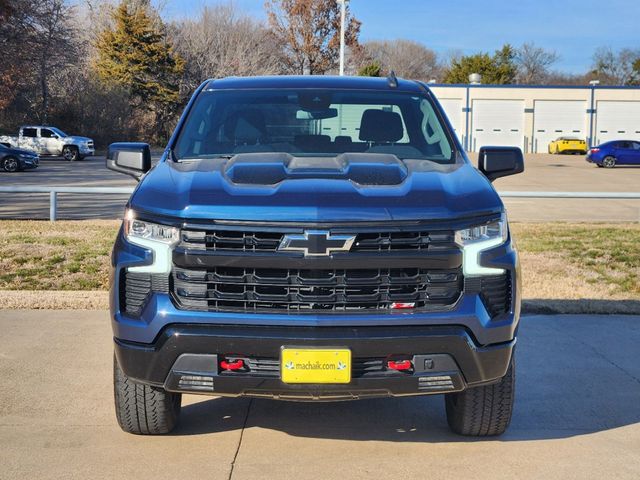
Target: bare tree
{"x":16,"y":29}
{"x":309,"y":32}
{"x":222,"y":42}
{"x":37,"y":39}
{"x":56,"y":46}
{"x":616,"y":68}
{"x":406,"y":58}
{"x":533,"y":63}
{"x":562,"y":78}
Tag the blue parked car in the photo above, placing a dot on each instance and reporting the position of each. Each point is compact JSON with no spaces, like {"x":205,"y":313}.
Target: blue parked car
{"x":617,"y":152}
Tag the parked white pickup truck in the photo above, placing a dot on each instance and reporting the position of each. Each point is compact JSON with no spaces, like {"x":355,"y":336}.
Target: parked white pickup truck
{"x":50,"y":141}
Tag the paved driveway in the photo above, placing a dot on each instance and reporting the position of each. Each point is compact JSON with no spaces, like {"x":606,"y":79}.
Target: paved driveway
{"x":577,"y":415}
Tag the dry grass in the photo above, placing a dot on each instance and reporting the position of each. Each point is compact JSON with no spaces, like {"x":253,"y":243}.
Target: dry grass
{"x":579,"y":261}
{"x":37,"y":255}
{"x":572,"y":268}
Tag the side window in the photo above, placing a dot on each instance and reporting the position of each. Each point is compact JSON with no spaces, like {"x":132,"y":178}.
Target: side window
{"x":46,"y":133}
{"x":30,"y":132}
{"x":432,"y":129}
{"x":636,"y":145}
{"x":624,"y":145}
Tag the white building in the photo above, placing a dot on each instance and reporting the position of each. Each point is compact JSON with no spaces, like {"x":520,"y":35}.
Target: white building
{"x":530,"y":117}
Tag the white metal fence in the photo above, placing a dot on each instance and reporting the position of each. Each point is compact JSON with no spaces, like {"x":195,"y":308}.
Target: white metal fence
{"x":53,"y":192}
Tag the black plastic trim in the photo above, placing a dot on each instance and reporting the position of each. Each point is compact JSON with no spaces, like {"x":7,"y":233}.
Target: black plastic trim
{"x":442,"y":260}
{"x":151,"y":363}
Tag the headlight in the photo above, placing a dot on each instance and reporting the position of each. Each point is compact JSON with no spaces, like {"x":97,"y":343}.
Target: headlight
{"x":158,"y":238}
{"x":474,"y":240}
{"x":139,"y":229}
{"x":26,"y":156}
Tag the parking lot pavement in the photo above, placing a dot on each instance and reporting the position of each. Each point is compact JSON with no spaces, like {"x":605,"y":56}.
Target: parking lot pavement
{"x":542,"y":173}
{"x":90,"y":172}
{"x":577,"y":415}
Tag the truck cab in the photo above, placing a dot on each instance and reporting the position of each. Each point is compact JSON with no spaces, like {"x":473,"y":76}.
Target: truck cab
{"x":314,"y":239}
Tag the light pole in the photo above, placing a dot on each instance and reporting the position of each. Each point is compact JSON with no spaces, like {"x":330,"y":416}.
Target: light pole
{"x":343,"y":14}
{"x":594,"y":84}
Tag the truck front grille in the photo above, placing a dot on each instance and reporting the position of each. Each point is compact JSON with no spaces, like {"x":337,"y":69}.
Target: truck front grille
{"x":268,"y":240}
{"x":297,"y":290}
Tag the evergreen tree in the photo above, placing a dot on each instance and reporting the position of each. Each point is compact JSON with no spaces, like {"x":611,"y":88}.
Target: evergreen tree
{"x":373,"y":69}
{"x":498,"y":69}
{"x":135,"y":55}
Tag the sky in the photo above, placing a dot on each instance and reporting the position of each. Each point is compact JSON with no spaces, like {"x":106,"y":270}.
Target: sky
{"x":572,"y":28}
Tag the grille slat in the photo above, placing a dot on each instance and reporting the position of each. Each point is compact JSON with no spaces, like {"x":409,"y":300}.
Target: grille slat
{"x":248,"y":289}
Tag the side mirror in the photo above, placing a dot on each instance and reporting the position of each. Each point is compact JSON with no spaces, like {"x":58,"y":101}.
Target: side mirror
{"x":129,"y":158}
{"x":496,"y":162}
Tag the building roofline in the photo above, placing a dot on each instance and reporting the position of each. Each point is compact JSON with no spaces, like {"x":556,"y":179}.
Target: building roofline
{"x":536,"y":87}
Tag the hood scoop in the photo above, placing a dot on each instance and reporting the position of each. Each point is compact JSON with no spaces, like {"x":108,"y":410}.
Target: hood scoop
{"x":365,"y":169}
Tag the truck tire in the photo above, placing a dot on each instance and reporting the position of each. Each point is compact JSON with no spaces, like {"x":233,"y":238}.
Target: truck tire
{"x":10,"y":164}
{"x":483,"y":411}
{"x":142,"y":409}
{"x":70,"y":153}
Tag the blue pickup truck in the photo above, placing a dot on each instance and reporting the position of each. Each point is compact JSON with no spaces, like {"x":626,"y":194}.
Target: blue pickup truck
{"x":314,"y":239}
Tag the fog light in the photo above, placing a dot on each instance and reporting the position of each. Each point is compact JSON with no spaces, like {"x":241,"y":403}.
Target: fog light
{"x":195,"y":382}
{"x":435,"y":382}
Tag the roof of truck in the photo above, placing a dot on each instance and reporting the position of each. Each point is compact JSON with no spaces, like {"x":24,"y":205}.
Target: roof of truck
{"x":315,"y":81}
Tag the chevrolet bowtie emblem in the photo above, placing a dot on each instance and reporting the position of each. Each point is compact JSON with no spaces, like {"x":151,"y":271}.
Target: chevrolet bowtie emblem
{"x":316,"y":243}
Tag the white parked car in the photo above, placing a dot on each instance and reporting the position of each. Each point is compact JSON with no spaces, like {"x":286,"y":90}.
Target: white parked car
{"x":50,"y":141}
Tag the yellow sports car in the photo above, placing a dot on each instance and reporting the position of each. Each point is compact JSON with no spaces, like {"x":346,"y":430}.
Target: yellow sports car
{"x":568,"y":145}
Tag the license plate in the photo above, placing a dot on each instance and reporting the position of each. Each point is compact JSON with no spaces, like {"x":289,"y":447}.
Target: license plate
{"x":315,"y":365}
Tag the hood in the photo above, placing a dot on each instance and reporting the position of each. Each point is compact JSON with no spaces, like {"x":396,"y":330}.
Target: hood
{"x":76,"y":139}
{"x":21,"y":151}
{"x":280,"y":188}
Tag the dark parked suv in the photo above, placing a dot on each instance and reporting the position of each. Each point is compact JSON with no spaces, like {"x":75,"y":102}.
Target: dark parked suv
{"x":314,"y":238}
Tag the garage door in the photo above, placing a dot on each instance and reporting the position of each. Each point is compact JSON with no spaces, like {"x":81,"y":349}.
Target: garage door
{"x":617,"y":121}
{"x":497,"y":123}
{"x":558,"y":118}
{"x":453,"y":109}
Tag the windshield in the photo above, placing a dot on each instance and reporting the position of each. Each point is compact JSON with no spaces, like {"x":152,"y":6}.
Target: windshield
{"x":313,"y":123}
{"x":58,"y":131}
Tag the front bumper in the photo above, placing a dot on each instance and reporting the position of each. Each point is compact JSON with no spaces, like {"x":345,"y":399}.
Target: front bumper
{"x":184,"y":358}
{"x":467,"y":346}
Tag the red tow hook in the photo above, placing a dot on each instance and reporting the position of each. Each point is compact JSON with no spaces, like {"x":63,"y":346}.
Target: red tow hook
{"x":401,"y":365}
{"x":236,"y":365}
